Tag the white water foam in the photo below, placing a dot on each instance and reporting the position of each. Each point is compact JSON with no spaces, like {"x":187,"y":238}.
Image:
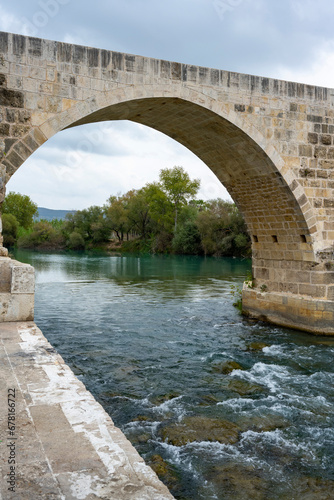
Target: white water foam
{"x":171,"y":405}
{"x":273,"y":350}
{"x":177,"y":456}
{"x":277,"y":439}
{"x":271,"y":376}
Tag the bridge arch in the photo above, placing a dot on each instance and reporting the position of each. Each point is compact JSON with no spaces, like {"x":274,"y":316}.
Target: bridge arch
{"x":277,"y":213}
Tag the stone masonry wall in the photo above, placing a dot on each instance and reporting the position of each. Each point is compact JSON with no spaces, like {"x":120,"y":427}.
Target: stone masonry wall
{"x":270,"y":142}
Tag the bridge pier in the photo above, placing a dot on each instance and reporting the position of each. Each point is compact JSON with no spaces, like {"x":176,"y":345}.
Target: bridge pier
{"x":292,"y":293}
{"x":305,"y":313}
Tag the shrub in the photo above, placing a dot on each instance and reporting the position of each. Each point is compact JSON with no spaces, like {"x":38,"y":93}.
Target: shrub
{"x":43,"y":235}
{"x":10,"y":227}
{"x":76,"y":241}
{"x":187,"y":239}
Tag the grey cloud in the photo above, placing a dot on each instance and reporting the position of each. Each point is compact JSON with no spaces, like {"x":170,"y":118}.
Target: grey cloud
{"x":254,"y":36}
{"x":85,"y":139}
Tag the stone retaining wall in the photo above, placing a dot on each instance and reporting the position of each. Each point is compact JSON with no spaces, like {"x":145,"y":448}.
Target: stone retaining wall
{"x":61,"y":443}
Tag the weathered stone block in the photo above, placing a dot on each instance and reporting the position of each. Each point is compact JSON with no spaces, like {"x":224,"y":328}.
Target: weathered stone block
{"x":176,"y":71}
{"x":64,"y":52}
{"x":79,"y":54}
{"x":314,"y":118}
{"x":93,"y":57}
{"x":305,"y":150}
{"x":35,"y":47}
{"x":4,"y":129}
{"x":314,"y":291}
{"x":322,"y":278}
{"x":12,"y":98}
{"x":19,"y":45}
{"x":326,"y":139}
{"x":3,"y":42}
{"x":22,"y":150}
{"x":5,"y":275}
{"x":312,"y":138}
{"x":53,"y":104}
{"x":320,"y":152}
{"x":117,"y":61}
{"x":16,"y":307}
{"x":15,"y":159}
{"x":22,"y":278}
{"x":19,"y":130}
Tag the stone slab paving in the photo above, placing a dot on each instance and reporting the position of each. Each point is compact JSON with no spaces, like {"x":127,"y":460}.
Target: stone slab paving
{"x":57,"y":442}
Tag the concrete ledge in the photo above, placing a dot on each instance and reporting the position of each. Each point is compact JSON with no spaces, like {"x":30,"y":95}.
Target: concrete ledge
{"x":293,"y":311}
{"x":64,"y":445}
{"x":14,"y":307}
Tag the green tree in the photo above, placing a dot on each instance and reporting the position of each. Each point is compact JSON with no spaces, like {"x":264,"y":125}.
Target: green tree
{"x":9,"y":229}
{"x":42,"y":235}
{"x":178,"y":187}
{"x":223,"y":230}
{"x":138,"y":213}
{"x":116,"y":212}
{"x":160,"y":207}
{"x":76,"y":241}
{"x":90,"y":223}
{"x":187,"y":240}
{"x":22,"y":207}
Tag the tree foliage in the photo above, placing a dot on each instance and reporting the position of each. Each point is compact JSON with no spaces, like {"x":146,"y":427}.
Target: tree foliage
{"x":22,"y":207}
{"x":178,"y":187}
{"x":116,"y":212}
{"x":223,"y":230}
{"x":90,"y":223}
{"x":76,"y":241}
{"x":42,"y":235}
{"x":160,"y":217}
{"x":9,"y":229}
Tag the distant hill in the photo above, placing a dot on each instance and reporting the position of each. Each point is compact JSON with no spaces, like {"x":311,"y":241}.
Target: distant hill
{"x":49,"y":214}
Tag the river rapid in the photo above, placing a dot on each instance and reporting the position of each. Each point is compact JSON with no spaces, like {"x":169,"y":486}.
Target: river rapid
{"x":220,"y":406}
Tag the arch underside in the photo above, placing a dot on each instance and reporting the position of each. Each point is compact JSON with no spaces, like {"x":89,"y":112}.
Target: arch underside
{"x":273,"y":216}
{"x":281,"y":237}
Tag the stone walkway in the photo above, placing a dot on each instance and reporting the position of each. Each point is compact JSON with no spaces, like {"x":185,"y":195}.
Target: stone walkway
{"x":57,"y":442}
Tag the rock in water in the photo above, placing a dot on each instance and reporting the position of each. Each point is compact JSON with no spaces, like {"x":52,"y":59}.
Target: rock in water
{"x":200,"y":429}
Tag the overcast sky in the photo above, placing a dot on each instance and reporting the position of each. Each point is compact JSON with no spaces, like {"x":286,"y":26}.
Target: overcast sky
{"x":287,"y":39}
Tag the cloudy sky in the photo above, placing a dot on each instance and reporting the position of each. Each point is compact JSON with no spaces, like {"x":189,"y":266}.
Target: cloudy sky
{"x":288,"y":39}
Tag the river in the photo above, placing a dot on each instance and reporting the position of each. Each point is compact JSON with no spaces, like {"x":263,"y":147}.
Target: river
{"x":221,"y":407}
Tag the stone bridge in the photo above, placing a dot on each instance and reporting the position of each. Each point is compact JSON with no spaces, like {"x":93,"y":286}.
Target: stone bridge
{"x":270,"y":142}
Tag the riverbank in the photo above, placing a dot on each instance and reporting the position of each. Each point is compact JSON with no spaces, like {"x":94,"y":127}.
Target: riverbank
{"x":57,"y":442}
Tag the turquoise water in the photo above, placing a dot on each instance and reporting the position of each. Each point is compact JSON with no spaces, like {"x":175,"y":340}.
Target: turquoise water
{"x":151,"y":338}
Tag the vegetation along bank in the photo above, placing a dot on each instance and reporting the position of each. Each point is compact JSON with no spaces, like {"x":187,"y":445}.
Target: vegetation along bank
{"x":161,"y":217}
